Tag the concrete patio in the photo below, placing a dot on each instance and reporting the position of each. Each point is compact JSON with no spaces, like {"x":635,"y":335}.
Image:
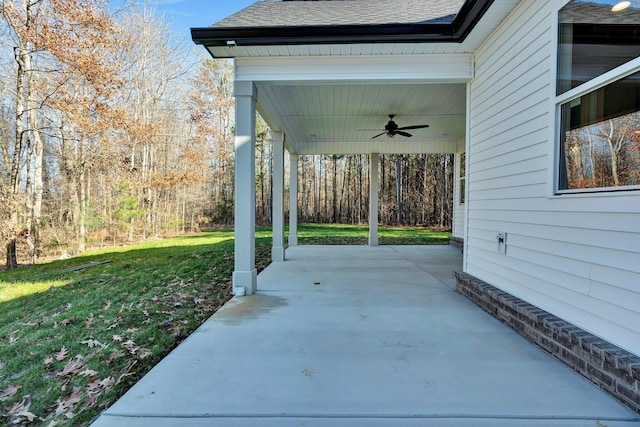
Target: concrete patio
{"x":361,"y":336}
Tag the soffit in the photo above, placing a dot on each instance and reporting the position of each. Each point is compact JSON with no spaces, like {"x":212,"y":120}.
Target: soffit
{"x":343,"y":118}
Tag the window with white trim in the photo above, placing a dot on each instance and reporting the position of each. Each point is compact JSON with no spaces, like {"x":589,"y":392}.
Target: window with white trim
{"x":462,"y":176}
{"x":599,"y":141}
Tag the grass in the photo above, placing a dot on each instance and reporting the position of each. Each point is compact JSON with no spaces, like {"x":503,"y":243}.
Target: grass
{"x":339,"y":234}
{"x":75,"y":341}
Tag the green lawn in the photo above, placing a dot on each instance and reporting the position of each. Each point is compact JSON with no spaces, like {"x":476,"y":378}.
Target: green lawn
{"x":74,"y":341}
{"x":339,"y":234}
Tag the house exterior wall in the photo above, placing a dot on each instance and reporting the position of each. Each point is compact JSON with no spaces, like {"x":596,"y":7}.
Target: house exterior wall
{"x":576,"y":256}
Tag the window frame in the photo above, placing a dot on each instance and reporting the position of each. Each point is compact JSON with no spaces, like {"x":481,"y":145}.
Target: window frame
{"x":462,"y":178}
{"x":618,"y":73}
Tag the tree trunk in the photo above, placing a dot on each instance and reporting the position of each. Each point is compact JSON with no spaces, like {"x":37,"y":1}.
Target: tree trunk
{"x":12,"y":260}
{"x":614,"y":148}
{"x":382,"y":195}
{"x":38,"y":163}
{"x":399,"y":189}
{"x":325,"y":210}
{"x":316,"y":179}
{"x":82,"y":200}
{"x":334,"y":213}
{"x":423,"y":186}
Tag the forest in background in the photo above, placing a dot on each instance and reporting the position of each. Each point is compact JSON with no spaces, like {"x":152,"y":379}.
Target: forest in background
{"x":112,"y":131}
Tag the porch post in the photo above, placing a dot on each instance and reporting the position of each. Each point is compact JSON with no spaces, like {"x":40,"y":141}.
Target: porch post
{"x":293,"y":199}
{"x":245,"y":274}
{"x":374,"y":159}
{"x":277,"y":249}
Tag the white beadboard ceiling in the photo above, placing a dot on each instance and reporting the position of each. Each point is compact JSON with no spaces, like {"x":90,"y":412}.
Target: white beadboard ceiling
{"x":342,"y":118}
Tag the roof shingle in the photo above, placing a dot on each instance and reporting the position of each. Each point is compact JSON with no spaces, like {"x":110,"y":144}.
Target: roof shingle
{"x":269,"y":13}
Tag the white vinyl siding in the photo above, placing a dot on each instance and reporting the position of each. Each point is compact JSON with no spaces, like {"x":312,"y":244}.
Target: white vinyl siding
{"x":576,"y":256}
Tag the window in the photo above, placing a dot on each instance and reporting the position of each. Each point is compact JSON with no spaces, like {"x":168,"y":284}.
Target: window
{"x":463,"y":174}
{"x":599,"y":145}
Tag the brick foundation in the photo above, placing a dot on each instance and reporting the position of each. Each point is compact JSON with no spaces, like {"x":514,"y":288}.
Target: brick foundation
{"x":457,"y":242}
{"x":611,"y":368}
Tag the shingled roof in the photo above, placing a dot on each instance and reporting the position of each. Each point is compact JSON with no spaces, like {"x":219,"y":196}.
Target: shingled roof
{"x":269,"y":22}
{"x":267,"y":13}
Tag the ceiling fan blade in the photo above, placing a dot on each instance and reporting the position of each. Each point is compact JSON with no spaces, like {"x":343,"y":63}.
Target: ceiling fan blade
{"x":413,"y":127}
{"x":399,"y":132}
{"x":380,"y":134}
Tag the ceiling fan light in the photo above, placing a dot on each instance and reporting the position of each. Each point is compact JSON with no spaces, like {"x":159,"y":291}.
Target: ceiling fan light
{"x":621,"y":6}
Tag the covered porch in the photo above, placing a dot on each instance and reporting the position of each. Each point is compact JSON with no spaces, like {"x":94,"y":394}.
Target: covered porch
{"x":333,"y":106}
{"x":366,"y":336}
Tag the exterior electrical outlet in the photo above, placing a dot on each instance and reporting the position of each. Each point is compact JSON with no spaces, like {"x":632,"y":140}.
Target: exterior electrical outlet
{"x":502,"y":242}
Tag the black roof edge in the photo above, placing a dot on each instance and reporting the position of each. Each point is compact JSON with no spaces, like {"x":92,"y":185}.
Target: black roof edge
{"x":334,"y":34}
{"x":470,"y":13}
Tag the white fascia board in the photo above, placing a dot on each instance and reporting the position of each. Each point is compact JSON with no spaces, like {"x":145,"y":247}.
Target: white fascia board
{"x":436,"y":68}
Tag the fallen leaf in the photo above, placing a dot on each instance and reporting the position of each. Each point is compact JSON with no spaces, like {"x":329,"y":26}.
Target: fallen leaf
{"x":9,"y":391}
{"x":21,"y":406}
{"x":307,"y":373}
{"x":48,"y":361}
{"x":107,"y":382}
{"x":72,"y":367}
{"x":88,"y":373}
{"x":90,"y":401}
{"x":130,"y":346}
{"x":93,"y":343}
{"x":107,"y":305}
{"x":13,"y":337}
{"x":117,"y":338}
{"x":88,"y":323}
{"x":99,"y":386}
{"x":36,"y":323}
{"x":66,"y":403}
{"x":52,"y":423}
{"x":143,"y":353}
{"x":94,"y":386}
{"x":115,"y":355}
{"x":62,"y":354}
{"x":25,"y":414}
{"x":123,"y":376}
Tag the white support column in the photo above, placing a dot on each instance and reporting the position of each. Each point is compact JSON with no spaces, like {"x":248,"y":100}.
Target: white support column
{"x":293,"y":199}
{"x":374,"y":160}
{"x":277,"y":248}
{"x":245,"y":273}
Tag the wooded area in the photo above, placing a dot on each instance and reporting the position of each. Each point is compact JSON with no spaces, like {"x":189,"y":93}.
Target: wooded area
{"x":111,"y":131}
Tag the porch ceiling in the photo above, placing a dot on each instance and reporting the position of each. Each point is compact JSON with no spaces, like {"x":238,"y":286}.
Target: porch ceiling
{"x":339,"y":118}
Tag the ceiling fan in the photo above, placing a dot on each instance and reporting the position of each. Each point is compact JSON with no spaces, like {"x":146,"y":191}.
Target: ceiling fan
{"x":391,"y":128}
